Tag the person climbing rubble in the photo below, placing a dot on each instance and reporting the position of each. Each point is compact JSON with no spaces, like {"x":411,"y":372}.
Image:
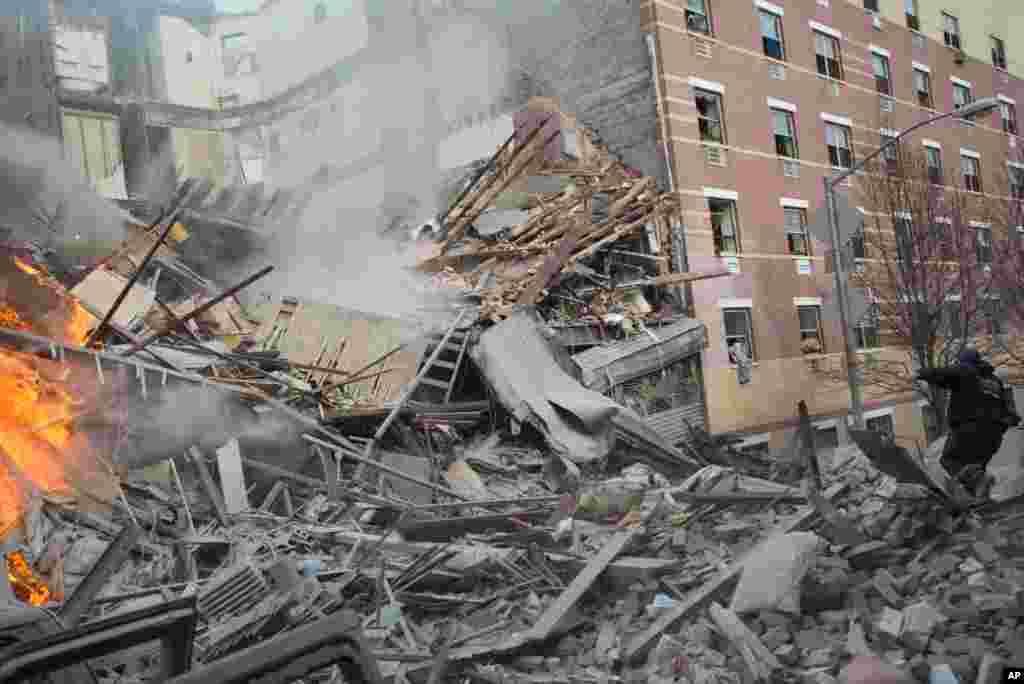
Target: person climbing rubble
{"x":979,"y":415}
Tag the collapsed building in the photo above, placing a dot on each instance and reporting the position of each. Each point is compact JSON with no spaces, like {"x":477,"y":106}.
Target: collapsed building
{"x":522,"y":491}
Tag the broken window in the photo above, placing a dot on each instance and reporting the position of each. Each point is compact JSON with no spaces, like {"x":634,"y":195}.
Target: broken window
{"x":811,"y":341}
{"x":971,"y":170}
{"x":771,"y":35}
{"x":883,"y":76}
{"x":738,"y":330}
{"x":840,"y":151}
{"x":797,"y":239}
{"x":827,"y":55}
{"x":698,"y":19}
{"x":709,"y":116}
{"x":784,"y":125}
{"x":723,"y":226}
{"x":923,"y":88}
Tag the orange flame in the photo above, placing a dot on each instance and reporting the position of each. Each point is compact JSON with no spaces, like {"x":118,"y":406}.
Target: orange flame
{"x":26,"y":584}
{"x":37,"y":444}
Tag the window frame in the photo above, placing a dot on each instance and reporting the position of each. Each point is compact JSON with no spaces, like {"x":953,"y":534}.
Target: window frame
{"x":912,"y":17}
{"x":877,"y":59}
{"x":891,"y":152}
{"x":748,"y":336}
{"x":802,"y":233}
{"x":777,"y":23}
{"x":1008,"y":117}
{"x":951,"y":39}
{"x":903,"y":231}
{"x":702,"y":119}
{"x":983,"y":244}
{"x":939,"y":177}
{"x":848,"y":134}
{"x":819,"y":332}
{"x":998,"y":52}
{"x":717,"y":236}
{"x":790,"y":119}
{"x":976,"y":163}
{"x":968,"y":92}
{"x":823,"y":63}
{"x":1015,"y":172}
{"x":928,"y":101}
{"x":689,"y":13}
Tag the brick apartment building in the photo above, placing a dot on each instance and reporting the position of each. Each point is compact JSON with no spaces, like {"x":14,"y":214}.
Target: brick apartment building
{"x":759,"y":100}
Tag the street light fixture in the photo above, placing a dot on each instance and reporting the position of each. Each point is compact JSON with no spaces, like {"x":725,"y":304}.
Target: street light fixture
{"x":982,"y":106}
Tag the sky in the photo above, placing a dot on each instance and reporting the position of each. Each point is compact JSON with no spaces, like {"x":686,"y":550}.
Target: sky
{"x":238,"y":5}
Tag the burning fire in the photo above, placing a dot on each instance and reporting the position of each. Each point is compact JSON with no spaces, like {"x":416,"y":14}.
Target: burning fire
{"x":26,"y":585}
{"x":38,"y":444}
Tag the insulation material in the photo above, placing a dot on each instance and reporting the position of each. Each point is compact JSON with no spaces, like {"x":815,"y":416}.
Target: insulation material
{"x":779,"y":569}
{"x":579,"y":424}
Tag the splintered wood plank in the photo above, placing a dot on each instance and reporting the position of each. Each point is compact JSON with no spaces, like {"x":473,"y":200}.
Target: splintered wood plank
{"x":556,"y":612}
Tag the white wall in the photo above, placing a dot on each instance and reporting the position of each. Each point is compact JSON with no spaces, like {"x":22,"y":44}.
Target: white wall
{"x":80,"y":56}
{"x":475,"y":142}
{"x":191,"y":63}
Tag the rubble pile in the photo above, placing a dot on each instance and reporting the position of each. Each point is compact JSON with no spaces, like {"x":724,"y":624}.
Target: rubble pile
{"x":501,"y":513}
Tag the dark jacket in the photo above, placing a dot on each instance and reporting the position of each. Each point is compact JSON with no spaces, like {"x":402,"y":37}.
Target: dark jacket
{"x":976,"y":394}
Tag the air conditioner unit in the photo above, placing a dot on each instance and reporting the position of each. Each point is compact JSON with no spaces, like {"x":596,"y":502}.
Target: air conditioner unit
{"x":777,"y":71}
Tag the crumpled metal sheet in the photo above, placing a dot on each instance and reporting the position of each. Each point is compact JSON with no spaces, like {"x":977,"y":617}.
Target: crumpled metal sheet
{"x":895,"y":461}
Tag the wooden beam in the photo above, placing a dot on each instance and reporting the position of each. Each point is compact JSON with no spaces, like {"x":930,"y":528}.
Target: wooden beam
{"x":642,"y":643}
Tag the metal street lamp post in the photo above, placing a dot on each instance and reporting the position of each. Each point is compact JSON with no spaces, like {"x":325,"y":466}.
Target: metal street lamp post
{"x":977,"y":107}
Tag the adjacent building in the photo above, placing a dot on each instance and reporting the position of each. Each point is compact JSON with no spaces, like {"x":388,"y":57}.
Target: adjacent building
{"x":759,"y":101}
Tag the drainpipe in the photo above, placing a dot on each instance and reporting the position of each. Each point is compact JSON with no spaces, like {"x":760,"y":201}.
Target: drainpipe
{"x":653,"y":52}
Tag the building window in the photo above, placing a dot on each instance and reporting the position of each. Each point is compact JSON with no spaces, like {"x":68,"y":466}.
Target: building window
{"x":933,"y":155}
{"x":883,"y":76}
{"x":871,"y":5}
{"x":784,"y":124}
{"x":828,"y":56}
{"x":904,"y":239}
{"x":910,"y":9}
{"x":942,"y":239}
{"x":1016,"y":174}
{"x":723,"y":226}
{"x":858,"y":244}
{"x":771,"y":35}
{"x":320,"y":12}
{"x":951,"y":31}
{"x":698,"y":19}
{"x":961,"y":95}
{"x":709,"y":116}
{"x":995,"y":315}
{"x":1008,"y":112}
{"x":867,"y":334}
{"x":797,"y":239}
{"x":890,"y":153}
{"x":998,"y":53}
{"x":971,"y":169}
{"x":983,"y":245}
{"x":233,"y":41}
{"x":811,"y":341}
{"x":738,"y":329}
{"x":883,"y":425}
{"x":840,"y":151}
{"x":923,"y":88}
{"x":932,"y":425}
{"x":826,"y":438}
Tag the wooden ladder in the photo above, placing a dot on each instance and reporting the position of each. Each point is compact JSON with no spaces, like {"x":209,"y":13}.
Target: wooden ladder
{"x":443,"y":372}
